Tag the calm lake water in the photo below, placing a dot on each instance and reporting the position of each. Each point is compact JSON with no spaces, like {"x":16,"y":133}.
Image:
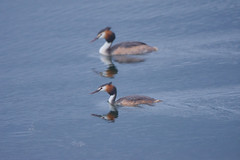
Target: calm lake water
{"x":48,"y":68}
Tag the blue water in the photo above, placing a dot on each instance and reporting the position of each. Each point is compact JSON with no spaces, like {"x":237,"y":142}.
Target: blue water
{"x":48,"y":68}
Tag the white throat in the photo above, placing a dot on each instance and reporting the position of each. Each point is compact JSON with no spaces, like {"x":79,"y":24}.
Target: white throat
{"x":112,"y":98}
{"x":104,"y":49}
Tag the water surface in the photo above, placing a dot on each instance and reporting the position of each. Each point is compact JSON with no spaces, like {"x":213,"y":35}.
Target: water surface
{"x":47,"y":72}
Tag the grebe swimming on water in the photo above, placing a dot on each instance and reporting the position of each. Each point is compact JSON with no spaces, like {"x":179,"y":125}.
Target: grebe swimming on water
{"x":124,"y":48}
{"x":134,"y":100}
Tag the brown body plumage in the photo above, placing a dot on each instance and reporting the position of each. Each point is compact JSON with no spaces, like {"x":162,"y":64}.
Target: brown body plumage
{"x":136,"y":100}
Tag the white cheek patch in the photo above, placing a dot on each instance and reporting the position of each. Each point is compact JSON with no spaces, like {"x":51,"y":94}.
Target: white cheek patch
{"x":103,"y":88}
{"x":102,"y":35}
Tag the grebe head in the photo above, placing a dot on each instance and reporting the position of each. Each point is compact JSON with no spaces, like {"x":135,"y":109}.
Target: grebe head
{"x":108,"y":87}
{"x":107,"y":34}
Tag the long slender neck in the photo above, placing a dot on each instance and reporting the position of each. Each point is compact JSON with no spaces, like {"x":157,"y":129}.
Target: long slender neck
{"x":105,"y":48}
{"x":112,"y":98}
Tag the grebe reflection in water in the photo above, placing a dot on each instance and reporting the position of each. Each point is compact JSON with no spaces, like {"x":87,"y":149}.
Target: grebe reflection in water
{"x":112,"y":70}
{"x":110,"y":116}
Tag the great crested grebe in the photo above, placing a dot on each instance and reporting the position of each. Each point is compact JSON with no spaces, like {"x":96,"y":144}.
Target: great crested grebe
{"x":134,"y":100}
{"x":124,"y":48}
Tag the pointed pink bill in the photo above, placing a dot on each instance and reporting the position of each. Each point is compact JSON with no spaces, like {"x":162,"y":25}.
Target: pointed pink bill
{"x":95,"y":91}
{"x":97,"y":115}
{"x":94,"y":39}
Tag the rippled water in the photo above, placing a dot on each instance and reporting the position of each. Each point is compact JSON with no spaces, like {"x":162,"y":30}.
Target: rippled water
{"x":48,"y":68}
